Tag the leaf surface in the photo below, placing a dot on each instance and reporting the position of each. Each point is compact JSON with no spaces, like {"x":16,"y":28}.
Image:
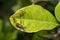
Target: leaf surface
{"x":33,"y":18}
{"x":57,"y":11}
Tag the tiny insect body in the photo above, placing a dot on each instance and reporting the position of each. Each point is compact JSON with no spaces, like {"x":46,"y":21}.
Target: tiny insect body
{"x":17,"y":24}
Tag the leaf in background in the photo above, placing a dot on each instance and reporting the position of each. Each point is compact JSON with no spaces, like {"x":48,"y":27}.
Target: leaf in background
{"x":40,"y":35}
{"x":7,"y":31}
{"x":33,"y":18}
{"x":0,"y":25}
{"x":11,"y":36}
{"x":57,"y":11}
{"x":1,"y":34}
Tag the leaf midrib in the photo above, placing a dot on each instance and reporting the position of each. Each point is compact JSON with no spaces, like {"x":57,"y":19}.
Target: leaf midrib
{"x":41,"y":21}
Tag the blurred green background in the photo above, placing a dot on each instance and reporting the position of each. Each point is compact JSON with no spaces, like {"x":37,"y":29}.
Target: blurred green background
{"x":8,"y":7}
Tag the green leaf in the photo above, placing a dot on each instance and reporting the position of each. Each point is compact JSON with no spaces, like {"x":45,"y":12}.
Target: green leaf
{"x":1,"y":25}
{"x":57,"y":11}
{"x":33,"y":18}
{"x":11,"y":36}
{"x":40,"y":35}
{"x":1,"y":36}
